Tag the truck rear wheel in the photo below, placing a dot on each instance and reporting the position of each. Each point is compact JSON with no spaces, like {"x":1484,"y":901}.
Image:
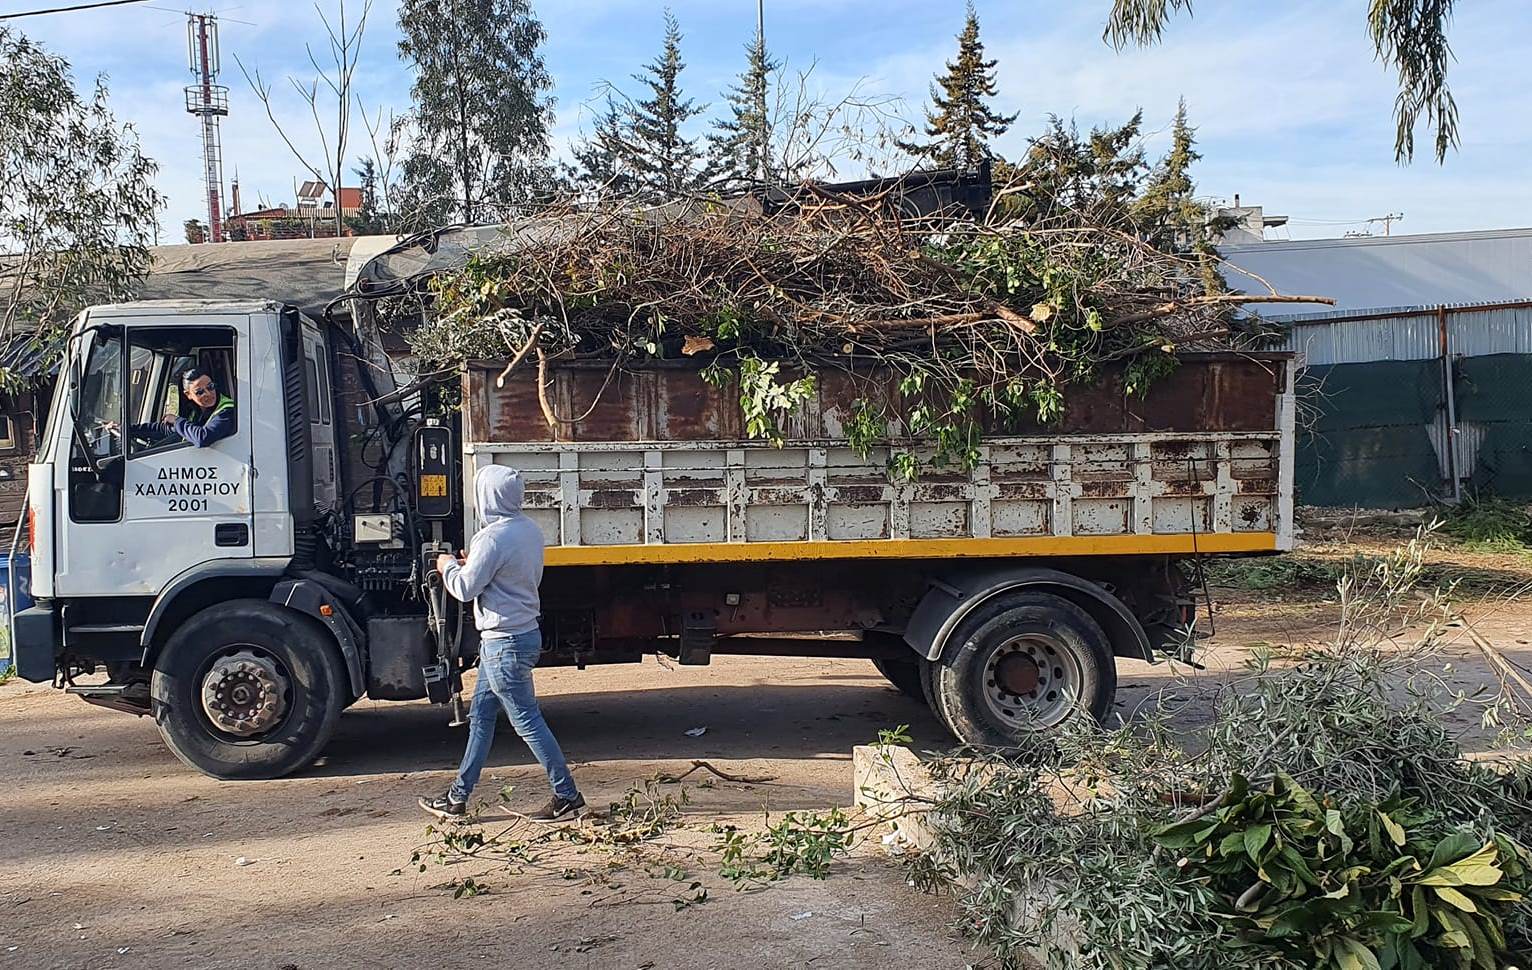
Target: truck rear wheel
{"x":246,"y":689}
{"x":1021,"y":665}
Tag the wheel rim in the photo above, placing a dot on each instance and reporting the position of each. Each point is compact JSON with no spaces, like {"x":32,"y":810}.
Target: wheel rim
{"x":1032,"y":682}
{"x":245,"y":693}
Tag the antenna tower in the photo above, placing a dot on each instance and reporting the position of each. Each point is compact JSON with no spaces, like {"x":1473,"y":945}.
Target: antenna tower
{"x":209,"y":102}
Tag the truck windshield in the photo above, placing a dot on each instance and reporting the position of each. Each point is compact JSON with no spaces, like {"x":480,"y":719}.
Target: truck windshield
{"x":63,"y":393}
{"x":98,"y":407}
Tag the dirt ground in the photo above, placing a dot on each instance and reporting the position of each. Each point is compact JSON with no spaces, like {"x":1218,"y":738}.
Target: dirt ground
{"x":117,"y":856}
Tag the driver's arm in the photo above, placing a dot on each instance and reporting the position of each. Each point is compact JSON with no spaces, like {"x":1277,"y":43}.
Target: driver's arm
{"x":153,"y":431}
{"x":218,"y":427}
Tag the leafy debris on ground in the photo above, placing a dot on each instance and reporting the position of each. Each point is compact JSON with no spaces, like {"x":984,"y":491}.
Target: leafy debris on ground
{"x":1489,"y":524}
{"x":1327,"y":818}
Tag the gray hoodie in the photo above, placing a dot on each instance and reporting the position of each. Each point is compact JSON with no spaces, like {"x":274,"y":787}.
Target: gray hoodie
{"x":505,"y":559}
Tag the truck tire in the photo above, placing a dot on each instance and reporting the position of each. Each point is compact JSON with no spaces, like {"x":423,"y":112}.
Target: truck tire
{"x":247,"y":689}
{"x":903,"y":674}
{"x":1022,"y":664}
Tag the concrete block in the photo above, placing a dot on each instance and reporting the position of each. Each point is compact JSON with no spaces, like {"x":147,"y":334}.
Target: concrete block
{"x":891,"y":783}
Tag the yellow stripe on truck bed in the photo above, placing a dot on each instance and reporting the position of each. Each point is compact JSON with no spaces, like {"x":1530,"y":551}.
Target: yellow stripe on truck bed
{"x":1181,"y":544}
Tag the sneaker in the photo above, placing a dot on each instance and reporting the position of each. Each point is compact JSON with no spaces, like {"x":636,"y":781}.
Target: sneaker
{"x":444,"y":808}
{"x":558,"y":809}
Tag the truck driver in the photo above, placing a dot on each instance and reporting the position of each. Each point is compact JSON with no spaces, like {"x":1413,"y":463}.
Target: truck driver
{"x":213,"y":420}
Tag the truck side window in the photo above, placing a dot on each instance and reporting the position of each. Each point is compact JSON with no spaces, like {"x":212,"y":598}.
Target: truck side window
{"x":311,"y":386}
{"x":161,"y":360}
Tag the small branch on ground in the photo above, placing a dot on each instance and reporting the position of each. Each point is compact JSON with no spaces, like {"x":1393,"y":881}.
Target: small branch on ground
{"x":666,"y":778}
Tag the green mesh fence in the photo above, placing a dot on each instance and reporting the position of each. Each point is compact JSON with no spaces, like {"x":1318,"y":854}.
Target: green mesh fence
{"x":1494,"y":411}
{"x":1364,"y":434}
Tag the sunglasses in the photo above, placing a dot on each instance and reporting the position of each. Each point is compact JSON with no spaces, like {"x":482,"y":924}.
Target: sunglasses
{"x":199,"y":391}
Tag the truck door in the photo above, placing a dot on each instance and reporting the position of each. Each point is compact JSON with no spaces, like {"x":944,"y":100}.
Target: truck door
{"x":155,"y":504}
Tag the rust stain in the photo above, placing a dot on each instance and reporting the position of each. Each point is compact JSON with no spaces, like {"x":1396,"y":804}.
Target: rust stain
{"x":858,"y":494}
{"x":613,"y":416}
{"x":615,"y":499}
{"x":1184,"y":488}
{"x":1012,"y":491}
{"x":778,"y":496}
{"x":1105,"y":489}
{"x":694,"y":497}
{"x":940,"y":493}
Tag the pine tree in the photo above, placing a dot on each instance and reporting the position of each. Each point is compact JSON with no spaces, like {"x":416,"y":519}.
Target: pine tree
{"x":960,"y":124}
{"x":481,"y":104}
{"x":604,"y":160}
{"x":1080,"y":180}
{"x":370,"y":218}
{"x":1166,"y":211}
{"x":665,"y":162}
{"x":739,"y":146}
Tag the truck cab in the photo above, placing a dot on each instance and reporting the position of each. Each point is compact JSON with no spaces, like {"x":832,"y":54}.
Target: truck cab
{"x":187,"y":572}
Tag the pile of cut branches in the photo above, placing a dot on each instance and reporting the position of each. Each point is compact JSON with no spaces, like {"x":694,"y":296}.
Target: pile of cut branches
{"x":1327,"y":818}
{"x":986,"y":321}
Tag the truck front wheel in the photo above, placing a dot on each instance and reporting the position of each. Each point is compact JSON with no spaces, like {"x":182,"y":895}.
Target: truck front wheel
{"x":1023,"y":664}
{"x":246,"y":689}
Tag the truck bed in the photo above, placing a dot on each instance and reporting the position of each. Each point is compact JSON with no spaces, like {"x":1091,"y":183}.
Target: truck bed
{"x":659,"y":472}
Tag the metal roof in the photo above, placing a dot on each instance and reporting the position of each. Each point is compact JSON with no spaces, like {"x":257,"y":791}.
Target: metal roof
{"x":1372,"y":273}
{"x":307,"y":273}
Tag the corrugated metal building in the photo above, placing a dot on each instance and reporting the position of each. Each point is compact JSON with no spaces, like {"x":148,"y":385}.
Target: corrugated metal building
{"x":1405,"y":404}
{"x":1429,"y":343}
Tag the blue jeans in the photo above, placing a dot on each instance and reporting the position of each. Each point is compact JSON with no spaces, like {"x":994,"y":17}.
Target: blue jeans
{"x":505,"y":680}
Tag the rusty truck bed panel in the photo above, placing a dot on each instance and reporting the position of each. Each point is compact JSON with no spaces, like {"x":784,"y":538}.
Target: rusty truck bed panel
{"x":657,"y":470}
{"x":668,"y":402}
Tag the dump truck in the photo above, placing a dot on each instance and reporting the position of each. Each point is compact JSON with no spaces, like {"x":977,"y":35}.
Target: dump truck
{"x":246,"y":593}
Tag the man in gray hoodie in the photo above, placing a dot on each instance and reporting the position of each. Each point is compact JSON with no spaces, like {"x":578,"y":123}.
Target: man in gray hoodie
{"x":501,"y":574}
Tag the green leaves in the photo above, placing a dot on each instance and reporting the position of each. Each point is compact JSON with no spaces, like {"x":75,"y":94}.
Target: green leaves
{"x":766,"y":402}
{"x":1455,"y":898}
{"x":801,"y":843}
{"x":1350,"y":953}
{"x":1345,"y":902}
{"x":1255,"y":839}
{"x":1466,"y":873}
{"x":77,"y":196}
{"x":865,"y":426}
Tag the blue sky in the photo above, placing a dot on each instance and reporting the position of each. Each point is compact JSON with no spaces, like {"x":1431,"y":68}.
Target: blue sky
{"x":1292,"y":111}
